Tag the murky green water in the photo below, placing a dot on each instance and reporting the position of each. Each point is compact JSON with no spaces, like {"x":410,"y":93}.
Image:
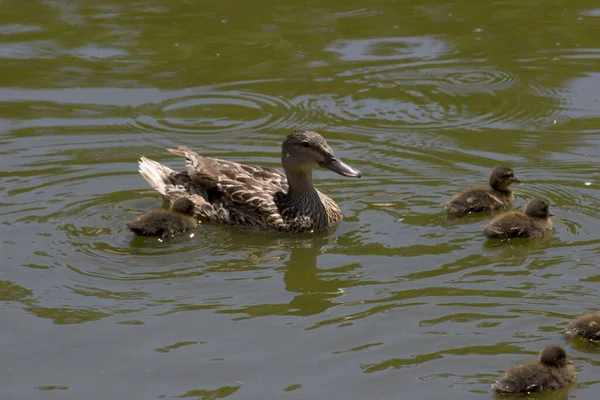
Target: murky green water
{"x":398,"y":302}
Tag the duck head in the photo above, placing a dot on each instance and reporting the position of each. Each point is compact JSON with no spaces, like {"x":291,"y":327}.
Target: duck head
{"x":183,"y":205}
{"x":307,"y":150}
{"x":538,"y":208}
{"x":501,"y":178}
{"x":554,"y":356}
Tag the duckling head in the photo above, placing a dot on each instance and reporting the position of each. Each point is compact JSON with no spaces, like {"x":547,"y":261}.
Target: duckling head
{"x":183,"y":205}
{"x":501,"y":178}
{"x":307,"y":150}
{"x":554,"y":356}
{"x":538,"y":208}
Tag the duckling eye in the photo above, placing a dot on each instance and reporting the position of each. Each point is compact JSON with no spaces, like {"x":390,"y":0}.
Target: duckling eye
{"x":305,"y":144}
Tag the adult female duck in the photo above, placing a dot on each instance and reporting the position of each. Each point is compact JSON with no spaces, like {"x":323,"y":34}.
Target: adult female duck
{"x":253,"y":196}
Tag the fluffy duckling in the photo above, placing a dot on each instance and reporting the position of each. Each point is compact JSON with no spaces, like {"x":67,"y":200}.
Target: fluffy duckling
{"x":586,"y":326}
{"x":159,"y":222}
{"x":552,"y":370}
{"x":484,"y":198}
{"x":534,"y":222}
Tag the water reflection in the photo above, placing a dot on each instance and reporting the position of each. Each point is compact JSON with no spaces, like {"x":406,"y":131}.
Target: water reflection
{"x":394,"y":48}
{"x":313,"y":288}
{"x":424,"y":98}
{"x":559,"y":394}
{"x":219,"y":393}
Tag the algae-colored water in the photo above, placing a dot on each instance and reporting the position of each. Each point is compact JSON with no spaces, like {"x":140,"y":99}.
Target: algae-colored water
{"x":398,"y":302}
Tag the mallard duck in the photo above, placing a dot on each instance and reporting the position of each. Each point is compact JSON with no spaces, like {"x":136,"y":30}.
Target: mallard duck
{"x":484,"y":198}
{"x":535,"y":222}
{"x":159,"y":222}
{"x":586,"y":326}
{"x":253,"y":196}
{"x":552,"y":370}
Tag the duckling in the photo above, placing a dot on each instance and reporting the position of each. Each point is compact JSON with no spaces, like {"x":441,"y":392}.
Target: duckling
{"x":552,"y":370}
{"x":586,"y":326}
{"x":483,"y":198}
{"x":159,"y":222}
{"x":534,"y":222}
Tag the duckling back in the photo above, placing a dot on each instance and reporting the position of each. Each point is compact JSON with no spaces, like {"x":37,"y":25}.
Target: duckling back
{"x":166,"y":223}
{"x":161,"y":223}
{"x":477,"y":199}
{"x":513,"y":224}
{"x":586,"y":326}
{"x":535,"y":377}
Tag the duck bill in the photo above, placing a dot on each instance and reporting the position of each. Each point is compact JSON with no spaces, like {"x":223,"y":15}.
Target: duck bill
{"x":336,"y":165}
{"x":516,"y":180}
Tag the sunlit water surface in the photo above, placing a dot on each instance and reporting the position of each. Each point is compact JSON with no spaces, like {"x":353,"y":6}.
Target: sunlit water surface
{"x":399,"y":302}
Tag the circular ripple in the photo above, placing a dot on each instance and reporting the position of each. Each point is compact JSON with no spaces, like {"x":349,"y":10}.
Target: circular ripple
{"x":210,"y":111}
{"x":91,"y":239}
{"x":392,"y":48}
{"x":444,"y":95}
{"x":463,"y":80}
{"x":93,"y":233}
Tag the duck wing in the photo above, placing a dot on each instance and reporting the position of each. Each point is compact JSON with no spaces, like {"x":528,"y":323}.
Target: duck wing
{"x":243,"y":194}
{"x":208,"y":171}
{"x":235,"y":171}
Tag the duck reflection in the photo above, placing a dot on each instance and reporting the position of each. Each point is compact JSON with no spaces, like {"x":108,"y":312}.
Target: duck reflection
{"x":314,"y":288}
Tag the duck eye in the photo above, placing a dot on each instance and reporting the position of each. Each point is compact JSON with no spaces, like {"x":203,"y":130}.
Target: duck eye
{"x":305,"y":144}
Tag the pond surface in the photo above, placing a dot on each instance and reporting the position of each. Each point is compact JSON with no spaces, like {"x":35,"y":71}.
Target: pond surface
{"x":399,"y":302}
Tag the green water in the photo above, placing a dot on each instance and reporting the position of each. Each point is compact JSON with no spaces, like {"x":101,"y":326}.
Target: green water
{"x":423,"y":97}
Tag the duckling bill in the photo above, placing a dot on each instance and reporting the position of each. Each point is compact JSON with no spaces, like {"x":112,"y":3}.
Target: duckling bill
{"x":552,"y":370}
{"x":484,"y":198}
{"x":158,"y":222}
{"x":535,"y":222}
{"x":586,"y":326}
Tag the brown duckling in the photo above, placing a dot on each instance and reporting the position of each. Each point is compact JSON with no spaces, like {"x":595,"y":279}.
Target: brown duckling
{"x":159,"y":222}
{"x":586,"y":326}
{"x":552,"y":370}
{"x":535,"y":222}
{"x":484,"y":198}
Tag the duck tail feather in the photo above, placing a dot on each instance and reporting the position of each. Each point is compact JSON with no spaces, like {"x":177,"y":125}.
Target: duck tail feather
{"x":156,"y":174}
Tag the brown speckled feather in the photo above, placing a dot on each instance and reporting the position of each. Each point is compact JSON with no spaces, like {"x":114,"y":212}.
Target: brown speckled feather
{"x":237,"y":194}
{"x":210,"y":171}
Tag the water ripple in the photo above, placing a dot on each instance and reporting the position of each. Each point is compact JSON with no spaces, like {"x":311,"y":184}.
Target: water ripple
{"x":202,"y":112}
{"x":463,"y":80}
{"x":424,"y":98}
{"x":430,"y":98}
{"x":381,"y":49}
